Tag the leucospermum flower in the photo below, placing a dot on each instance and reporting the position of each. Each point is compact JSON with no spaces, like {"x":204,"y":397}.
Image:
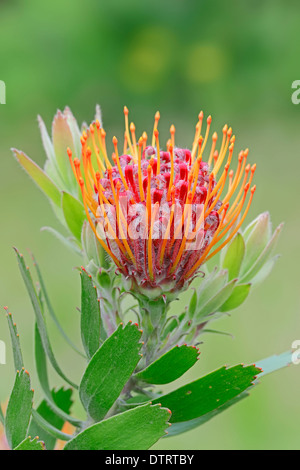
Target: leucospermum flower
{"x":160,"y":214}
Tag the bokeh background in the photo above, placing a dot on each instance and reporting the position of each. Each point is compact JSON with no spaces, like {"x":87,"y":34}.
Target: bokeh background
{"x":235,"y":60}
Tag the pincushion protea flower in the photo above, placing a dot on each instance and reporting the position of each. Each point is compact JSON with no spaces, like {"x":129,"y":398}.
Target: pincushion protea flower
{"x":161,"y":214}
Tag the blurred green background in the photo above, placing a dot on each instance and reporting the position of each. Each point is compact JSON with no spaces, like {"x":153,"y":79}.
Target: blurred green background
{"x":235,"y":60}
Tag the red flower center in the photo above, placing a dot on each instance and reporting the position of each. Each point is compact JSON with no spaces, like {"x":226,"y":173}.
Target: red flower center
{"x":158,"y":214}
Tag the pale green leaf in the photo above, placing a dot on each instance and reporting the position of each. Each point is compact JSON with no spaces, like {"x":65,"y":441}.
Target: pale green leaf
{"x":74,"y":214}
{"x":184,"y":426}
{"x":263,"y":257}
{"x":234,"y":257}
{"x":74,"y":128}
{"x":257,"y":240}
{"x":274,"y":363}
{"x":193,"y":304}
{"x":213,"y":283}
{"x":92,"y":248}
{"x":47,"y":144}
{"x":62,"y":138}
{"x":265,"y":271}
{"x":39,"y":177}
{"x":213,"y":305}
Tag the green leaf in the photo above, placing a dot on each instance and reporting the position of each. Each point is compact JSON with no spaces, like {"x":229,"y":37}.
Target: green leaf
{"x":170,"y":366}
{"x":136,"y":429}
{"x":154,"y":308}
{"x":208,"y":393}
{"x":92,"y":248}
{"x":53,"y":173}
{"x":211,"y":284}
{"x":264,"y":272}
{"x":50,"y":166}
{"x":39,"y":177}
{"x":40,"y":317}
{"x":104,"y":279}
{"x":31,"y":444}
{"x":41,"y":367}
{"x":91,"y":326}
{"x":263,"y":257}
{"x":184,"y":426}
{"x":56,"y":433}
{"x":234,"y":256}
{"x":62,"y":398}
{"x":268,"y":365}
{"x":18,"y":409}
{"x":238,"y":296}
{"x":216,"y":332}
{"x":216,"y":301}
{"x":109,"y":370}
{"x":15,"y":341}
{"x":137,"y":400}
{"x":74,"y":214}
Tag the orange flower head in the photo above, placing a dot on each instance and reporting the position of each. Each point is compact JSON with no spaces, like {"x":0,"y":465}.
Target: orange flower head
{"x":160,"y":214}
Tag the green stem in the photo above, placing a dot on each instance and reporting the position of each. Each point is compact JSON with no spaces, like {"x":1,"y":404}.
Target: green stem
{"x":154,"y":314}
